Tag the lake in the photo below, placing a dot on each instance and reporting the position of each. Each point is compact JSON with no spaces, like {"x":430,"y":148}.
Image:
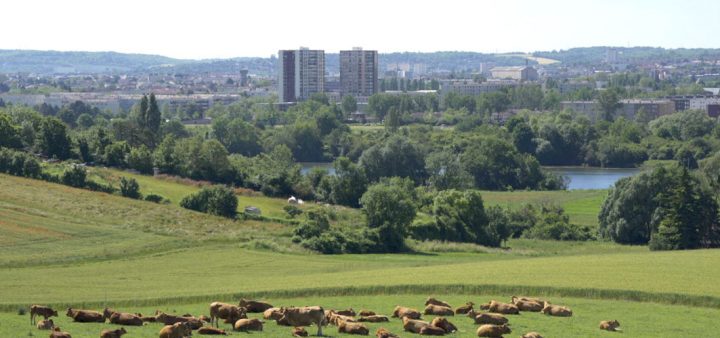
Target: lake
{"x":592,"y":178}
{"x":580,"y":177}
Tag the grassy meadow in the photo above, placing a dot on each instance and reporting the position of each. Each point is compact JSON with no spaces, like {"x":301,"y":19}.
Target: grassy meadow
{"x":70,"y":247}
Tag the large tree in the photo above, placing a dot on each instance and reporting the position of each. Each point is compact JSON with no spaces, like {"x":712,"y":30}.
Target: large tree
{"x":609,"y":103}
{"x":390,"y":209}
{"x":53,"y":140}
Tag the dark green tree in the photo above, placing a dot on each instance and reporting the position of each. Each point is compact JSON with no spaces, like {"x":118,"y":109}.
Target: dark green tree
{"x":53,"y":140}
{"x":130,"y":188}
{"x":390,"y":209}
{"x":609,"y":103}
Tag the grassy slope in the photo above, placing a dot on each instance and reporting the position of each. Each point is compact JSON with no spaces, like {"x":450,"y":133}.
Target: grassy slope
{"x":135,"y":254}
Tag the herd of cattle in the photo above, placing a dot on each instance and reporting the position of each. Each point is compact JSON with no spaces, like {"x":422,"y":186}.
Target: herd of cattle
{"x":493,"y":321}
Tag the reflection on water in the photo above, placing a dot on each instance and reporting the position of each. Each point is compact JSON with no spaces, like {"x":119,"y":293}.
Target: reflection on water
{"x":592,"y":178}
{"x":580,"y":177}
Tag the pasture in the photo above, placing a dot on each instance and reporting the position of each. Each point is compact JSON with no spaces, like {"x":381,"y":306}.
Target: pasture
{"x":637,"y":319}
{"x":63,"y":246}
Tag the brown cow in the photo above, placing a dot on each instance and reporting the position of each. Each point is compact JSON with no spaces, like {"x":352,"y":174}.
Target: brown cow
{"x":401,"y":311}
{"x":444,"y":324}
{"x":125,"y":319}
{"x":556,"y":310}
{"x":148,"y":319}
{"x":464,"y":309}
{"x":528,"y":305}
{"x":304,"y":316}
{"x":433,"y":301}
{"x":206,"y":330}
{"x":85,"y":316}
{"x":299,"y":331}
{"x":495,"y":331}
{"x":204,"y":318}
{"x":254,"y":306}
{"x":366,"y":313}
{"x":230,"y":313}
{"x":413,"y":325}
{"x":272,"y":313}
{"x":245,"y":325}
{"x":432,"y":331}
{"x":504,"y":308}
{"x":383,"y":333}
{"x":374,"y":319}
{"x":439,"y":310}
{"x":177,"y":330}
{"x":514,"y":299}
{"x":490,"y":318}
{"x":40,"y":310}
{"x":45,"y":324}
{"x":192,"y":323}
{"x":58,"y":333}
{"x":610,"y":325}
{"x":353,"y":328}
{"x":532,"y":335}
{"x":334,"y":318}
{"x":113,"y":333}
{"x":349,"y":312}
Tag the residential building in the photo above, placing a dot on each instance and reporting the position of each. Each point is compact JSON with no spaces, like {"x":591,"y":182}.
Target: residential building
{"x":519,"y":73}
{"x":301,"y":74}
{"x":359,"y":72}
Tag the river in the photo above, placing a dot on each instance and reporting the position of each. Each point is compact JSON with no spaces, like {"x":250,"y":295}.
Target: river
{"x":580,"y":177}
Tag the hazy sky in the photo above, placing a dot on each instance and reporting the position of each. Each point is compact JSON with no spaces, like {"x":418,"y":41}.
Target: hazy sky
{"x":223,"y":28}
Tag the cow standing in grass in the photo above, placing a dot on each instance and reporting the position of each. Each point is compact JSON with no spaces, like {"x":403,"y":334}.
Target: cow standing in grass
{"x":304,"y":316}
{"x":40,"y":310}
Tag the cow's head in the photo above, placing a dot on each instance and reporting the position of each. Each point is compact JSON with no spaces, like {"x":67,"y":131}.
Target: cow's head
{"x":505,"y":329}
{"x":69,"y":312}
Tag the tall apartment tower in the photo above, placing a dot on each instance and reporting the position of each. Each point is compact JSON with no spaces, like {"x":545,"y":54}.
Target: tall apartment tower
{"x":301,"y":74}
{"x":359,"y":72}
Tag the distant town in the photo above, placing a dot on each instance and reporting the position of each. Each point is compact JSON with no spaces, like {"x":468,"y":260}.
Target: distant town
{"x":295,"y":75}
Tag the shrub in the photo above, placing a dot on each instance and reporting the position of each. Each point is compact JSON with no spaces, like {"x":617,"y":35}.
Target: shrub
{"x":217,"y":200}
{"x":130,"y":188}
{"x":292,"y":210}
{"x":74,"y":176}
{"x":155,"y":198}
{"x":554,"y":224}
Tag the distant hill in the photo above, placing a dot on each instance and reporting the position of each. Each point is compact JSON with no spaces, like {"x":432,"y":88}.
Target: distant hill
{"x":594,"y":55}
{"x":52,"y":62}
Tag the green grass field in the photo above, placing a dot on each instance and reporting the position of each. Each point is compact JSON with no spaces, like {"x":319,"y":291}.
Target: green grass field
{"x":65,"y":246}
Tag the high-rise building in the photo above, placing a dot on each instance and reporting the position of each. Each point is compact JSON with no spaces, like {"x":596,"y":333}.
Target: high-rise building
{"x":358,"y":72}
{"x":301,"y":73}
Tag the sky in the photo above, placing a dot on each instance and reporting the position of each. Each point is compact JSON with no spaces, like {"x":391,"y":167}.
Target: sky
{"x":201,"y":29}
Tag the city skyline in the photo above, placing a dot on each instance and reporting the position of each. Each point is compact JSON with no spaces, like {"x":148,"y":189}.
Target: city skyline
{"x":221,"y":29}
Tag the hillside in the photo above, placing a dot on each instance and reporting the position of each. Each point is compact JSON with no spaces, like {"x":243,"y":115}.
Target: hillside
{"x":105,"y":250}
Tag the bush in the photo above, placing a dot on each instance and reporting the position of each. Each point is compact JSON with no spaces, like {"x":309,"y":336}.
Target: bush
{"x":292,"y":210}
{"x":130,"y":188}
{"x":155,"y":198}
{"x":74,"y":176}
{"x":216,"y":200}
{"x":554,"y":224}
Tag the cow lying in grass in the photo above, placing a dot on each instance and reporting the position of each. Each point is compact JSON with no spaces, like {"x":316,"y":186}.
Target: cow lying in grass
{"x":444,"y":324}
{"x":532,"y":335}
{"x":272,"y":313}
{"x":488,"y":318}
{"x":503,"y":308}
{"x":211,"y":331}
{"x":254,"y":306}
{"x":40,"y":310}
{"x":610,"y":325}
{"x":167,"y":319}
{"x":421,"y":327}
{"x":45,"y":324}
{"x":495,"y":331}
{"x":245,"y":325}
{"x":464,"y":309}
{"x":113,"y":333}
{"x":299,"y":331}
{"x":556,"y":310}
{"x":401,"y":312}
{"x":438,"y":310}
{"x":352,"y":328}
{"x":374,"y":319}
{"x":58,"y":333}
{"x":177,"y":330}
{"x":383,"y":333}
{"x":85,"y":316}
{"x":434,"y":301}
{"x":122,"y":318}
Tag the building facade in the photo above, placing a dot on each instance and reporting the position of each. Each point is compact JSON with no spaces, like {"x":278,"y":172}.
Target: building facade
{"x":359,"y":72}
{"x":469,"y":87}
{"x":521,"y":73}
{"x":301,"y":74}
